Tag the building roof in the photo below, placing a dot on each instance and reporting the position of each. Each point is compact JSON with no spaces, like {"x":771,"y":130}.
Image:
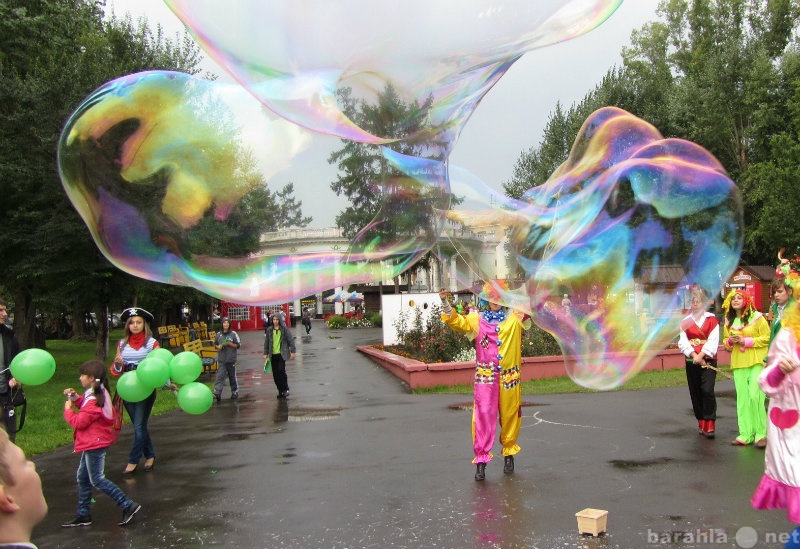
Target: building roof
{"x":763,"y":272}
{"x":673,"y":274}
{"x":665,"y":274}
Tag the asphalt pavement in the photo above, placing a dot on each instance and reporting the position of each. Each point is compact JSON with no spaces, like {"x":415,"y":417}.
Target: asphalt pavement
{"x":354,"y":460}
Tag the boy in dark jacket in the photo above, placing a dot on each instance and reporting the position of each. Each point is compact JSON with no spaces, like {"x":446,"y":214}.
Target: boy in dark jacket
{"x":279,"y":347}
{"x":226,"y":342}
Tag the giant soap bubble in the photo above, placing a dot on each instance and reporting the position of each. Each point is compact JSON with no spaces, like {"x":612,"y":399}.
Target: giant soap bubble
{"x":627,"y":208}
{"x":160,"y":165}
{"x":295,"y":56}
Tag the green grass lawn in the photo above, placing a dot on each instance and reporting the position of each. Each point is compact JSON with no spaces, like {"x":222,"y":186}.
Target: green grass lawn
{"x":656,"y":379}
{"x":45,"y":428}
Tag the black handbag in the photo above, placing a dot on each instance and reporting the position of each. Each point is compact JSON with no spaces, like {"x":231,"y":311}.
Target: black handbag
{"x":18,"y":397}
{"x":18,"y":405}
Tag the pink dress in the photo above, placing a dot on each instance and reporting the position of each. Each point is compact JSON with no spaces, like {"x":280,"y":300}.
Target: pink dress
{"x":780,"y":486}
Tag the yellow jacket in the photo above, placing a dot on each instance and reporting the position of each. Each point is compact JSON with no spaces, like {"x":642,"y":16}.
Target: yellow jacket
{"x":756,"y":345}
{"x":510,"y":333}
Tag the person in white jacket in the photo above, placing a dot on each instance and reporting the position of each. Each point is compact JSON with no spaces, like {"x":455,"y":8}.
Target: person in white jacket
{"x":780,"y":380}
{"x":699,"y":342}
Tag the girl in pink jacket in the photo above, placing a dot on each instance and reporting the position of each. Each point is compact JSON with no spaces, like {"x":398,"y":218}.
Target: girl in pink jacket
{"x":92,"y":417}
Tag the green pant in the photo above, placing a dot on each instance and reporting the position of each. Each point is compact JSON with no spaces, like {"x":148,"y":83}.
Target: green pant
{"x":750,"y":399}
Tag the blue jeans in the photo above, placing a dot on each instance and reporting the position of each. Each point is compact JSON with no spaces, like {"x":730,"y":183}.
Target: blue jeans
{"x":139,"y":413}
{"x":91,"y":473}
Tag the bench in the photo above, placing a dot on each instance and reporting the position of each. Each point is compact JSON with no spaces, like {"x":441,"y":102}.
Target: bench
{"x":201,"y":329}
{"x":163,"y":336}
{"x":173,"y":336}
{"x":208,"y":354}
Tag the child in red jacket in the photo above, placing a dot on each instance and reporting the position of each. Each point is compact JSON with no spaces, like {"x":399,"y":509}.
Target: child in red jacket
{"x":92,"y":417}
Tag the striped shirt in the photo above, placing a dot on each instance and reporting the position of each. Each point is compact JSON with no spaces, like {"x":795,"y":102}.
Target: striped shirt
{"x":135,"y":356}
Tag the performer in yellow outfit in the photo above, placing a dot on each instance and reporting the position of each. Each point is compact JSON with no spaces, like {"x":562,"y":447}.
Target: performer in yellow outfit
{"x":746,"y":336}
{"x":498,"y":345}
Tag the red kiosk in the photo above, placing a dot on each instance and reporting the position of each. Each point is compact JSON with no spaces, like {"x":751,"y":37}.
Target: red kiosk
{"x":250,"y":317}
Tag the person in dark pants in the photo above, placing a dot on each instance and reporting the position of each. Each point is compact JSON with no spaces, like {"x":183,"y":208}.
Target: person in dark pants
{"x":9,"y":347}
{"x":226,"y":342}
{"x":699,"y":342}
{"x":279,"y":347}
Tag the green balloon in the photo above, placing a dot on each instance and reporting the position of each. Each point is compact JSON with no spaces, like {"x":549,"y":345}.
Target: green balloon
{"x":185,"y":367}
{"x":33,"y":366}
{"x":162,"y":353}
{"x":131,"y":389}
{"x":195,"y":398}
{"x":152,"y":371}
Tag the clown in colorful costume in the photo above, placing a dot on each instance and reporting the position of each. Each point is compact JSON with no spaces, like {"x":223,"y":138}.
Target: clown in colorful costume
{"x":780,"y":486}
{"x":498,"y":345}
{"x":746,"y":336}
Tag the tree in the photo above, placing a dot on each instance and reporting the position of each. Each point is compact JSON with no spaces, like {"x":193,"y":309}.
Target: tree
{"x":53,"y":53}
{"x":720,"y":73}
{"x":726,"y":93}
{"x":388,"y":208}
{"x":771,"y":180}
{"x":366,"y":178}
{"x":239,"y":234}
{"x":535,"y":165}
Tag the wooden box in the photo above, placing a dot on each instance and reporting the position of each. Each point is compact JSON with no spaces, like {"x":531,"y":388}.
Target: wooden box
{"x":592,"y":521}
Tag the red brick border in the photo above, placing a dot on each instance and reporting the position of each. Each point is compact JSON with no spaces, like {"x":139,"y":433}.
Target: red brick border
{"x":418,"y":374}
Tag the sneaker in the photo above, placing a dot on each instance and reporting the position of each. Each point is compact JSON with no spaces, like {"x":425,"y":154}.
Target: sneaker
{"x":234,"y":396}
{"x":78,"y":521}
{"x":217,"y":397}
{"x":128,"y":512}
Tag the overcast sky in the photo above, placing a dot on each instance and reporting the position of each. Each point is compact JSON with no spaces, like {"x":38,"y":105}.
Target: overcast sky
{"x":509,"y":120}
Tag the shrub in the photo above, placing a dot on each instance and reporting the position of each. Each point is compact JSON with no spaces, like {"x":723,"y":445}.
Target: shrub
{"x":351,"y":321}
{"x":375,"y":318}
{"x":537,"y":342}
{"x":429,"y":341}
{"x":466,"y":355}
{"x":432,"y":341}
{"x":359,"y":322}
{"x":336,"y":321}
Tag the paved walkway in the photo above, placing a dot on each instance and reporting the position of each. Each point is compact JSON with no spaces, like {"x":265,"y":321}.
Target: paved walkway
{"x":352,"y":460}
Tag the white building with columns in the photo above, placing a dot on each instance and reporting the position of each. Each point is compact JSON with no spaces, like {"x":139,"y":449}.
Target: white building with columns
{"x":475,"y":253}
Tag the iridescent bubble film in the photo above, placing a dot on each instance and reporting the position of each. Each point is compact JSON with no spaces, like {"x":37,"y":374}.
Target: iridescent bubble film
{"x":297,"y":55}
{"x":169,"y":170}
{"x":166,"y":170}
{"x":164,"y":167}
{"x":622,"y":227}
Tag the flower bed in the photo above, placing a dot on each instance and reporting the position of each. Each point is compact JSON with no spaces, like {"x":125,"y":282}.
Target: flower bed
{"x":429,"y":354}
{"x":419,"y":374}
